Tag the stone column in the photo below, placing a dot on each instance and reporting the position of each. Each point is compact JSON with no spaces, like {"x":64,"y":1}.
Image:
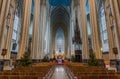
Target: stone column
{"x":40,"y":32}
{"x":35,"y":29}
{"x":96,"y":44}
{"x":12,"y":8}
{"x":109,"y":31}
{"x":50,"y":47}
{"x":119,"y":4}
{"x":69,"y":42}
{"x":66,"y":42}
{"x":0,"y":5}
{"x":49,"y":36}
{"x":44,"y":28}
{"x":4,"y":7}
{"x":85,"y":48}
{"x":71,"y":23}
{"x":116,"y":19}
{"x":53,"y":40}
{"x":4,"y":26}
{"x":23,"y":44}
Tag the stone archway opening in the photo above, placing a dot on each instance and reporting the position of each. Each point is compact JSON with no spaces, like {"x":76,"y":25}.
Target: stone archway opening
{"x":60,"y":20}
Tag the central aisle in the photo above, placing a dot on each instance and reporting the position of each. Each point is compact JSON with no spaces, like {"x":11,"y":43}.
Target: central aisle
{"x":60,"y":73}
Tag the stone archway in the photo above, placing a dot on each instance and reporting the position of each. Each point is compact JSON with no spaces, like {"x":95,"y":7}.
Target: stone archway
{"x":60,"y":18}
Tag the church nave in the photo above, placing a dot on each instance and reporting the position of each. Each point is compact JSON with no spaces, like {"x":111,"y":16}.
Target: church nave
{"x":59,"y":39}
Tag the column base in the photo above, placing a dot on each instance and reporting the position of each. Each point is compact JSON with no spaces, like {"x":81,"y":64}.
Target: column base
{"x":118,"y":65}
{"x":1,"y":65}
{"x":115,"y":63}
{"x":5,"y":65}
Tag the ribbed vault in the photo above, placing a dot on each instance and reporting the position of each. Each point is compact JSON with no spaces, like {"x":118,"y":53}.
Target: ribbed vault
{"x":59,"y":15}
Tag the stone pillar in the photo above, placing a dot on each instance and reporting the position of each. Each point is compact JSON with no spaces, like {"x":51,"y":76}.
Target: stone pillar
{"x":119,"y":4}
{"x":50,"y":47}
{"x":44,"y":28}
{"x":49,"y":37}
{"x":39,"y":45}
{"x":41,"y":31}
{"x":69,"y":42}
{"x":12,"y":8}
{"x":66,"y":42}
{"x":116,"y":19}
{"x":0,"y":5}
{"x":23,"y":44}
{"x":85,"y":48}
{"x":3,"y":8}
{"x":71,"y":47}
{"x":109,"y":31}
{"x":96,"y":44}
{"x":35,"y":30}
{"x":53,"y":41}
{"x":4,"y":26}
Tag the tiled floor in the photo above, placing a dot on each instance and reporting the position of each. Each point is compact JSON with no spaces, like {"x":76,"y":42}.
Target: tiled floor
{"x":59,"y":73}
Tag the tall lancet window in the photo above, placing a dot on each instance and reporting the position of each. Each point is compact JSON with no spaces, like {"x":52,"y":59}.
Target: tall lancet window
{"x":103,"y":29}
{"x":59,"y":41}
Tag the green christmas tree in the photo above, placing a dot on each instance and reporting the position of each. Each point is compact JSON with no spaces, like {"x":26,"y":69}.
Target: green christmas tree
{"x":92,"y":59}
{"x":73,"y":58}
{"x":46,"y":59}
{"x":25,"y":60}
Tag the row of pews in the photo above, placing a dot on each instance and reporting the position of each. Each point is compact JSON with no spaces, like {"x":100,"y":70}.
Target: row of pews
{"x":82,"y":71}
{"x":36,"y":71}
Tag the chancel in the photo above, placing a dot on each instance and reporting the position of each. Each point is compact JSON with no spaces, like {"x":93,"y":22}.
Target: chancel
{"x":59,"y":39}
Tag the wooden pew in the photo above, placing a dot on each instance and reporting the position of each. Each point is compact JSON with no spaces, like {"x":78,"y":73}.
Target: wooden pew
{"x":38,"y":71}
{"x":91,"y":72}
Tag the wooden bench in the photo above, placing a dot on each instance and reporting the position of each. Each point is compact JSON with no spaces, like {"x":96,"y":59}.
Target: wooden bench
{"x":38,"y":71}
{"x":91,"y":72}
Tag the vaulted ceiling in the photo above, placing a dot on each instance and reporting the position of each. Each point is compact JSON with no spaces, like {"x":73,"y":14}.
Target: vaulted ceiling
{"x":59,"y":16}
{"x":60,"y":12}
{"x":60,"y":2}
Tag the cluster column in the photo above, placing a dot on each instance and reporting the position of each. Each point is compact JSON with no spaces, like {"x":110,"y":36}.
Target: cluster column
{"x":23,"y":44}
{"x":4,"y":4}
{"x":96,"y":44}
{"x":109,"y":31}
{"x":42,"y":28}
{"x":6,"y":25}
{"x":116,"y":20}
{"x":39,"y":39}
{"x":35,"y":52}
{"x":10,"y":25}
{"x":44,"y":25}
{"x":85,"y":48}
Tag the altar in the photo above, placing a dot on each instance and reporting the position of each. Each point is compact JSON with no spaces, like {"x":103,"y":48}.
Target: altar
{"x":60,"y":59}
{"x":59,"y":56}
